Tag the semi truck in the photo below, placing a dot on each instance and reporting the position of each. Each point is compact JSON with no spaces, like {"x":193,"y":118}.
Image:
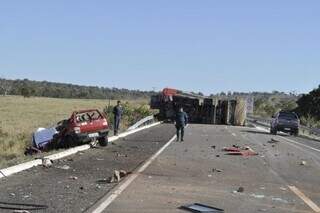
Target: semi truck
{"x":200,"y":109}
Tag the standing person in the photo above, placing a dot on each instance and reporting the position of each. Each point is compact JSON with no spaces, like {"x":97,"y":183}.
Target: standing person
{"x":117,"y":112}
{"x":181,"y":122}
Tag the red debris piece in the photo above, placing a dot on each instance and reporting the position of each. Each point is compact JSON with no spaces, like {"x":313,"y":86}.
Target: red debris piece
{"x":243,"y":151}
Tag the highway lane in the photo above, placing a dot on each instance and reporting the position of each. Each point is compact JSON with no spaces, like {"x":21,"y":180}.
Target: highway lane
{"x":71,"y":184}
{"x":273,"y":181}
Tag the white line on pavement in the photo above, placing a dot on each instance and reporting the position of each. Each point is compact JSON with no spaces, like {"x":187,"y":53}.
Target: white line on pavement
{"x":305,"y":199}
{"x":110,"y":197}
{"x":292,"y":141}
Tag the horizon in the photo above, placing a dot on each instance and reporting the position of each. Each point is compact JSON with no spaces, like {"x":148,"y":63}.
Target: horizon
{"x":206,"y":46}
{"x":218,"y":93}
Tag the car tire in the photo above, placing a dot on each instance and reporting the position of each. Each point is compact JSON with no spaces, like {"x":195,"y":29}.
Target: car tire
{"x":103,"y":141}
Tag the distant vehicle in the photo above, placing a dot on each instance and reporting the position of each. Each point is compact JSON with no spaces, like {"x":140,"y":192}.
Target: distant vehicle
{"x":82,"y":127}
{"x":284,"y":121}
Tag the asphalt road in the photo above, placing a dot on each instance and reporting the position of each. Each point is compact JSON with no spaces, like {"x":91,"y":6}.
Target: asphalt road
{"x":76,"y":188}
{"x":184,"y":173}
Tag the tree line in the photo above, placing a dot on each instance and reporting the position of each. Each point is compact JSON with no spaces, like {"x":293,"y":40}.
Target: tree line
{"x":28,"y":88}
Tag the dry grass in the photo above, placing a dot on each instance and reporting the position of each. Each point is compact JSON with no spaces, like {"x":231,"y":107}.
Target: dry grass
{"x":19,"y":117}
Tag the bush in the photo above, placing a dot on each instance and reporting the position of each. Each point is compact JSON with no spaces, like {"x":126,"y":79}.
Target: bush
{"x":131,"y":114}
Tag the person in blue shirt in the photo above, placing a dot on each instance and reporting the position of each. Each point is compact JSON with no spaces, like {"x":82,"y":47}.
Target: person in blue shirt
{"x":181,"y":121}
{"x":117,"y":112}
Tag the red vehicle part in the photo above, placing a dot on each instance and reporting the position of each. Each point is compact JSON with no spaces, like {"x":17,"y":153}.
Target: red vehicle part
{"x":84,"y":126}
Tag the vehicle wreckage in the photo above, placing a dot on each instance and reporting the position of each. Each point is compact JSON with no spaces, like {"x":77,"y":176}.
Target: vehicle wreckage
{"x":83,"y":127}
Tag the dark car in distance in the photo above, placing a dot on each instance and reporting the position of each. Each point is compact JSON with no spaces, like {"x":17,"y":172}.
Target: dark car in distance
{"x":284,"y":121}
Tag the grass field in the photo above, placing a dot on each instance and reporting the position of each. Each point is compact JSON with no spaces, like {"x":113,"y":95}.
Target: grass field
{"x":19,"y":117}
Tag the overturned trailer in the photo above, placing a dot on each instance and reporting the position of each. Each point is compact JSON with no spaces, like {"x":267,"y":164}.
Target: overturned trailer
{"x":200,"y":109}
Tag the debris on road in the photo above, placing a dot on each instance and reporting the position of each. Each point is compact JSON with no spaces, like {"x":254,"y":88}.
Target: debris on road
{"x":273,"y":141}
{"x":121,"y":155}
{"x":258,"y":196}
{"x":73,"y":178}
{"x":217,"y":170}
{"x":283,"y":189}
{"x":21,"y":211}
{"x":47,"y":163}
{"x":200,"y":208}
{"x":303,"y":163}
{"x":64,"y":167}
{"x":117,"y":176}
{"x":243,"y":151}
{"x":240,"y":190}
{"x":213,"y":147}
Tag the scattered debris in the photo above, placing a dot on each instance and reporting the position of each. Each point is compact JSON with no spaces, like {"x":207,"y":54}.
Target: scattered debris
{"x":73,"y":178}
{"x":303,"y":163}
{"x":93,"y":144}
{"x":47,"y":163}
{"x":276,"y":199}
{"x":81,"y":188}
{"x":100,"y":159}
{"x":64,"y":167}
{"x":121,"y":155}
{"x":216,"y":170}
{"x":273,"y":141}
{"x":283,"y":189}
{"x":200,"y":208}
{"x":257,"y":196}
{"x":117,"y":176}
{"x":240,"y":190}
{"x":213,"y":147}
{"x":236,"y":150}
{"x":218,"y":156}
{"x":21,"y":211}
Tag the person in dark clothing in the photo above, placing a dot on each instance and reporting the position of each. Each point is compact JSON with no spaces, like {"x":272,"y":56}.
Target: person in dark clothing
{"x":181,"y":121}
{"x":117,"y":112}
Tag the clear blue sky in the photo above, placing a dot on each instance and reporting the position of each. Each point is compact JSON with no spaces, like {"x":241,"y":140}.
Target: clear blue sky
{"x":206,"y":45}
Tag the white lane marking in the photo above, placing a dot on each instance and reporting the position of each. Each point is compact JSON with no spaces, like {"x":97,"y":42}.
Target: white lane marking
{"x":305,"y":199}
{"x":109,"y":198}
{"x":301,"y":144}
{"x":292,"y":141}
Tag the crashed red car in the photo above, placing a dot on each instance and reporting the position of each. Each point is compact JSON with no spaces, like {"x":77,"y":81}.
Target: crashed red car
{"x":82,"y":127}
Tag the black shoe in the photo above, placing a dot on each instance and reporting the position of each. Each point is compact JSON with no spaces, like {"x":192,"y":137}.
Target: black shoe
{"x":181,"y":140}
{"x":177,"y":140}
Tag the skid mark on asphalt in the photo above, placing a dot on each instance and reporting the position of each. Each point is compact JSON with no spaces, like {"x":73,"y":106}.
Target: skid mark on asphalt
{"x":305,"y":199}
